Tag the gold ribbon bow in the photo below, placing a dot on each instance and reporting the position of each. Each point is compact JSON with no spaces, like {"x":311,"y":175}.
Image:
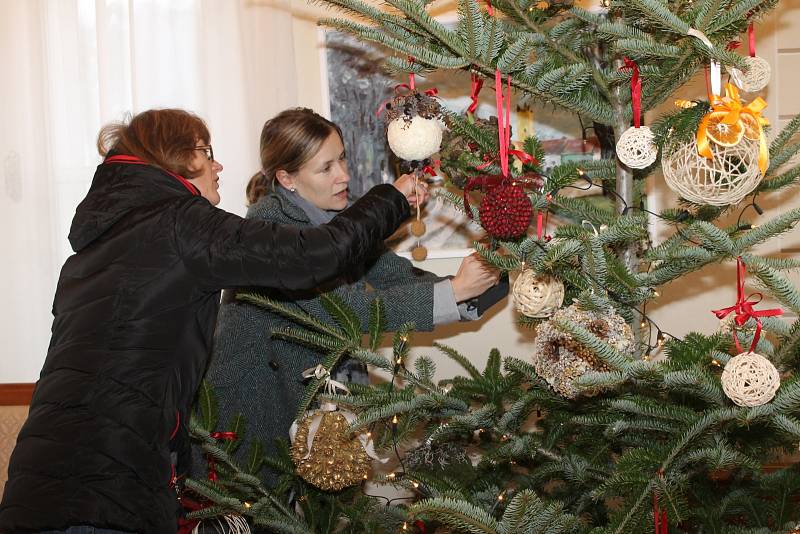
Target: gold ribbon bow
{"x":730,"y":110}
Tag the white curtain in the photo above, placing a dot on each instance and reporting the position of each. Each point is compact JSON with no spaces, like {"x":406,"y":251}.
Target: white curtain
{"x":70,"y":66}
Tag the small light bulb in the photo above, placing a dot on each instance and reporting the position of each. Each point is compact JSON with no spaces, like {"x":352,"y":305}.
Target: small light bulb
{"x":369,"y":435}
{"x":500,"y":497}
{"x":395,"y":420}
{"x":399,"y":360}
{"x":415,"y":484}
{"x":405,"y":526}
{"x":643,"y":324}
{"x":391,"y":476}
{"x":580,"y":172}
{"x":656,"y":293}
{"x":247,"y":504}
{"x":715,"y":362}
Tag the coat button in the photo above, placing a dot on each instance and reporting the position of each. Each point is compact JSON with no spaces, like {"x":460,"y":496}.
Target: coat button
{"x":274,"y":365}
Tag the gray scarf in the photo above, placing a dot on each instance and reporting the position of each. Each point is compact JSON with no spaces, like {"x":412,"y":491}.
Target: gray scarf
{"x":315,"y":215}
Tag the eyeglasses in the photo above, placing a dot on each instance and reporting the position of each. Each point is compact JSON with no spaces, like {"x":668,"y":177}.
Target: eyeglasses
{"x":208,"y":150}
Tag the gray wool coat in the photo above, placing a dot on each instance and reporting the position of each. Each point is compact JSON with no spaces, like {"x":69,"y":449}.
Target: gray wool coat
{"x":261,"y":377}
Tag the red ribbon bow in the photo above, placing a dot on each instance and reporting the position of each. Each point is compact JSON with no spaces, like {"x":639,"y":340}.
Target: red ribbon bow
{"x":504,"y":128}
{"x":744,"y":307}
{"x":476,"y":84}
{"x":212,"y":466}
{"x":431,"y":170}
{"x":636,"y":90}
{"x":504,"y":137}
{"x":751,"y":40}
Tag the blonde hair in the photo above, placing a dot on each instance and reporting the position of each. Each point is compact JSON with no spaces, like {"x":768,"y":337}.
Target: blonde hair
{"x":288,"y":141}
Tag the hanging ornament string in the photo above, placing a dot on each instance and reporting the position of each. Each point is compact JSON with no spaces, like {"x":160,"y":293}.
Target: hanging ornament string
{"x":320,"y":373}
{"x":476,"y":84}
{"x":751,"y":40}
{"x":636,"y":90}
{"x":730,"y":108}
{"x":659,"y":514}
{"x":743,"y":308}
{"x":715,"y":69}
{"x":503,"y":119}
{"x":504,"y":137}
{"x":504,"y":127}
{"x":540,"y":219}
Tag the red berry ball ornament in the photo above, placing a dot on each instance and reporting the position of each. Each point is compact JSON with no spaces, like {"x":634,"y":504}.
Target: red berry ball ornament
{"x":506,"y":211}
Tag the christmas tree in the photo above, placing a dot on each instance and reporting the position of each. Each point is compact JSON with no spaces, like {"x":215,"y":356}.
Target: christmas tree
{"x":612,"y":425}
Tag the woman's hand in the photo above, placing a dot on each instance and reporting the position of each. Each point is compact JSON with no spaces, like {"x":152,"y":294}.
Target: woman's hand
{"x":473,"y":278}
{"x":415,"y":195}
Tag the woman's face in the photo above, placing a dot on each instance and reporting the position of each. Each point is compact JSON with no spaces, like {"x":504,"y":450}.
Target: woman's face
{"x":208,"y":179}
{"x":323,"y":179}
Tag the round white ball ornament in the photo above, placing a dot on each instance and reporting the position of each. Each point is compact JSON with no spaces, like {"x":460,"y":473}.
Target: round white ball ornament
{"x":414,"y":139}
{"x":750,"y":379}
{"x":537,"y":295}
{"x":727,"y":178}
{"x":635,"y":148}
{"x":755,"y":78}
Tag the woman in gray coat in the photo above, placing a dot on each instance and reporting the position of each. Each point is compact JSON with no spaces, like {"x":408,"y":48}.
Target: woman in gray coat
{"x":304,"y":182}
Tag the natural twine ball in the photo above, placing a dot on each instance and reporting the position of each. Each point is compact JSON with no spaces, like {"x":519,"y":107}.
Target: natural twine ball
{"x":337,"y":459}
{"x":727,"y":178}
{"x":537,"y":295}
{"x":418,"y":228}
{"x":414,"y":139}
{"x":419,"y":253}
{"x":750,"y":379}
{"x":635,"y":147}
{"x":560,"y":359}
{"x":755,"y":78}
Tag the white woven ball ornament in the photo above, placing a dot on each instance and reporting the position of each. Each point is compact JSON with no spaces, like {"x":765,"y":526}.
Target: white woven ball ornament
{"x":755,"y":78}
{"x":415,"y":139}
{"x":635,"y":148}
{"x":750,"y":379}
{"x":727,"y":178}
{"x":537,"y":295}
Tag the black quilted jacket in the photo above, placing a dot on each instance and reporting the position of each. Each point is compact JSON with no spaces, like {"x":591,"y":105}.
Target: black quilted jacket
{"x":134,"y":315}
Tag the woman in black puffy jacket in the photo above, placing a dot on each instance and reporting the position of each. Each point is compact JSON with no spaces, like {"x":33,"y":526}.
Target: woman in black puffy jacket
{"x":134,"y":312}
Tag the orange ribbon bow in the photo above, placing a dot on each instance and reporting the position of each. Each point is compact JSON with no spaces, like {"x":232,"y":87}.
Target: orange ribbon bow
{"x":729,"y":110}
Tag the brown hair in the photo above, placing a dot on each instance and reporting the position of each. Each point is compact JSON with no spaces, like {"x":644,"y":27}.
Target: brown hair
{"x":164,"y":138}
{"x":288,"y":141}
